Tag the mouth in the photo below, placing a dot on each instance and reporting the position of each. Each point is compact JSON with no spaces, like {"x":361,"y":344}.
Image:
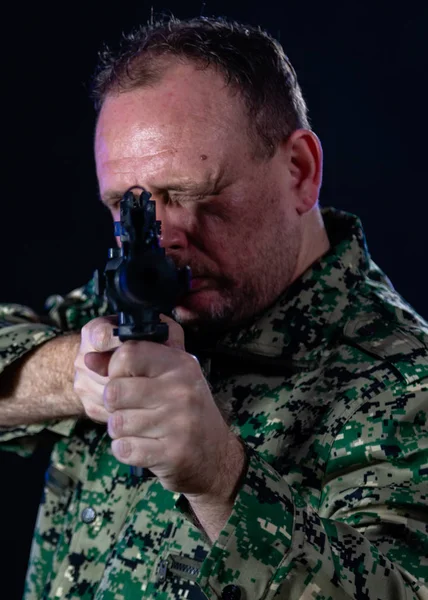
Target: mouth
{"x":198,"y":284}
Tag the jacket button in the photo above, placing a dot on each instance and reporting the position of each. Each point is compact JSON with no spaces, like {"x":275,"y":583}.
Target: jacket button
{"x":162,"y":570}
{"x":88,"y":515}
{"x":231,"y":592}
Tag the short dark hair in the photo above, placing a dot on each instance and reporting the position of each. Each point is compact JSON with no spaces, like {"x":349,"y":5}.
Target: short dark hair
{"x":250,"y":60}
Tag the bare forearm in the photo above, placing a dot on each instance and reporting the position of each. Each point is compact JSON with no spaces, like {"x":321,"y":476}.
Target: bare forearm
{"x":40,"y":385}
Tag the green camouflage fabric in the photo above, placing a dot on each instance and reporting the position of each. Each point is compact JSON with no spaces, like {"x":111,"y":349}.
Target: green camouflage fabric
{"x":22,"y":330}
{"x":328,"y":389}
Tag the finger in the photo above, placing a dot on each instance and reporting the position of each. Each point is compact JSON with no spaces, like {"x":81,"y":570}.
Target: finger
{"x":148,"y":359}
{"x":96,"y":413}
{"x":98,"y":362}
{"x":139,"y":452}
{"x":99,"y":332}
{"x":175,"y":333}
{"x":85,"y":384}
{"x":90,"y":393}
{"x":132,"y":392}
{"x":148,"y":423}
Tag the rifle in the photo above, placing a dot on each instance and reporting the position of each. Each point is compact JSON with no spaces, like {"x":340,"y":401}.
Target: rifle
{"x":140,"y":281}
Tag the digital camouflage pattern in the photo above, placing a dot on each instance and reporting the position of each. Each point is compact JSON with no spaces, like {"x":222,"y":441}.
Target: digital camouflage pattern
{"x":329,"y":391}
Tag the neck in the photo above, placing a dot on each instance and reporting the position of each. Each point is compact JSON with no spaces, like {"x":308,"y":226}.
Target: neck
{"x":315,"y":242}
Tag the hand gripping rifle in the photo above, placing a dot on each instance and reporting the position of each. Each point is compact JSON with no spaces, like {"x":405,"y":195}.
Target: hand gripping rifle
{"x":141,"y":282}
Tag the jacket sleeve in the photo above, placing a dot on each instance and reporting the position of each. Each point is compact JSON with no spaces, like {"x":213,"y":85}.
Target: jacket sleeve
{"x":22,"y":330}
{"x":368,"y":536}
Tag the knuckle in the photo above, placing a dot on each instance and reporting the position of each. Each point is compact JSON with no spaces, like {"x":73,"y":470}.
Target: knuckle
{"x":111,"y":394}
{"x":100,"y":336}
{"x":116,"y":424}
{"x":77,"y":383}
{"x":123,"y":360}
{"x":122,"y":356}
{"x":128,"y":349}
{"x":79,"y":361}
{"x":84,"y":332}
{"x":93,"y":411}
{"x":192,"y":366}
{"x":194,"y":359}
{"x":90,"y":409}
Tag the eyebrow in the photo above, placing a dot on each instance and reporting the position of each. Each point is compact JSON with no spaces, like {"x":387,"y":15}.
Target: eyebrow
{"x":110,"y":197}
{"x":206,"y":187}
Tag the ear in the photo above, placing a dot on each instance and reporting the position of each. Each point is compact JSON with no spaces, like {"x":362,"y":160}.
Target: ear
{"x":304,"y":153}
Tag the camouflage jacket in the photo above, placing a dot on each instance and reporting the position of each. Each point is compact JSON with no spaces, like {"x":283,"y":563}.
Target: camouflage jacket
{"x":328,"y":389}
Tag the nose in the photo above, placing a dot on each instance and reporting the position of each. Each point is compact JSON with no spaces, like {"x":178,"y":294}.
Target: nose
{"x":173,"y":230}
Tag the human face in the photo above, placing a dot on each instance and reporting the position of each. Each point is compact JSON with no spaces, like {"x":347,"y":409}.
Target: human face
{"x":224,"y":212}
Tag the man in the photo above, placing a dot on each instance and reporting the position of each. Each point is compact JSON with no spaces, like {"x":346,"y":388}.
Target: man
{"x":284,"y":421}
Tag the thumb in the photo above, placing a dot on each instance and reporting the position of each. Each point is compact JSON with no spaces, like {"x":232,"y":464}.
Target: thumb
{"x":175,"y":333}
{"x":98,"y":362}
{"x":99,"y":333}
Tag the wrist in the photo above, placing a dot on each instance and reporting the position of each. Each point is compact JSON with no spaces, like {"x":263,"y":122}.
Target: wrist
{"x":211,"y":511}
{"x":229,"y":476}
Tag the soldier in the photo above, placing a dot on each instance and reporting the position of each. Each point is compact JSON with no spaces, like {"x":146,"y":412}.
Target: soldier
{"x":284,"y":422}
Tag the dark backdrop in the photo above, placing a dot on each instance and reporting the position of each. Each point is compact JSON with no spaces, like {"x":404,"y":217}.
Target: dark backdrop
{"x":363,"y":69}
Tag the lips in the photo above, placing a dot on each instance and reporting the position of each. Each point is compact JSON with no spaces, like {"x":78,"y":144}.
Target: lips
{"x":198,"y":283}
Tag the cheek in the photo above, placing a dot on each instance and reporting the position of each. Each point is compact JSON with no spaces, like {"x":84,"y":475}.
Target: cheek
{"x":227,"y":248}
{"x":216,"y":236}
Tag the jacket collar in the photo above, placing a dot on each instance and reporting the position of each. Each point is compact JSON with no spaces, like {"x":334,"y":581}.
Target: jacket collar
{"x":296,"y":330}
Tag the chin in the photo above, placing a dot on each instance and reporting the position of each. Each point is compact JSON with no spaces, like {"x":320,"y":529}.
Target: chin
{"x":205,"y":306}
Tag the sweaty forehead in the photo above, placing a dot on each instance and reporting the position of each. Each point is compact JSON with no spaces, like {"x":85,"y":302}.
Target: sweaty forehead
{"x":189,"y":110}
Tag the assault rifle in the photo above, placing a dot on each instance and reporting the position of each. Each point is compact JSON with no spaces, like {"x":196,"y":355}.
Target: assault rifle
{"x":140,"y":280}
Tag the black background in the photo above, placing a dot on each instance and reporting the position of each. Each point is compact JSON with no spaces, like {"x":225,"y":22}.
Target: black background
{"x":363,"y":69}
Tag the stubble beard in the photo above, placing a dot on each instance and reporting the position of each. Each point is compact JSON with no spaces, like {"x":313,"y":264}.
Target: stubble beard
{"x":237,"y":304}
{"x":217,"y":316}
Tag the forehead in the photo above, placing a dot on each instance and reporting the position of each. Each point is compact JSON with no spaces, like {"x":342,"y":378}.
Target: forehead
{"x":189,"y":111}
